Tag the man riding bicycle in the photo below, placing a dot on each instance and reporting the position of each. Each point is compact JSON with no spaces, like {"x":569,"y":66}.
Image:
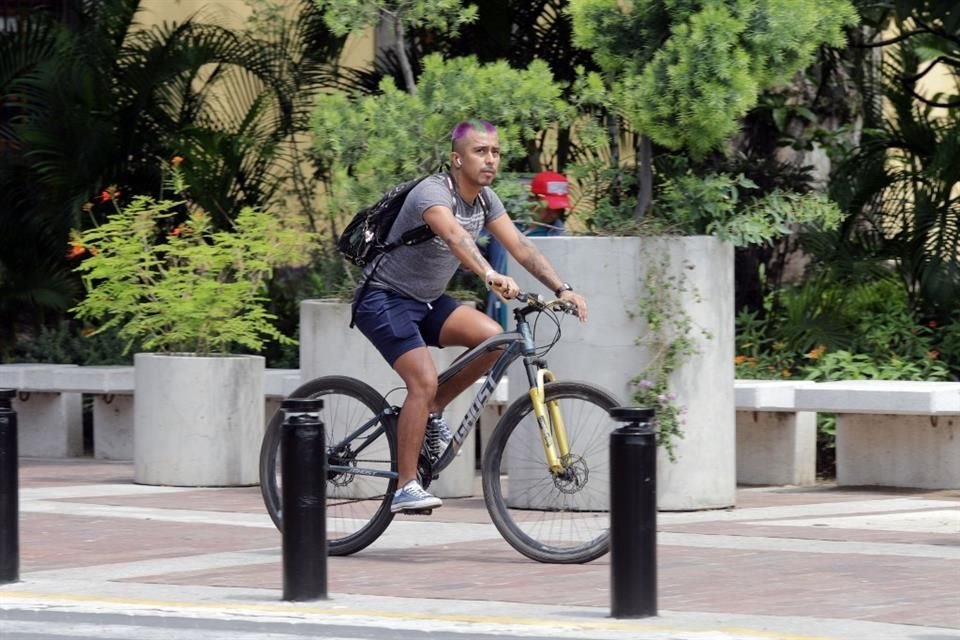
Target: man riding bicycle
{"x":404,"y":309}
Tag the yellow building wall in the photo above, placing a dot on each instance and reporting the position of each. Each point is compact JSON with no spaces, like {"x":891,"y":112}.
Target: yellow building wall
{"x":938,"y":81}
{"x":358,"y":50}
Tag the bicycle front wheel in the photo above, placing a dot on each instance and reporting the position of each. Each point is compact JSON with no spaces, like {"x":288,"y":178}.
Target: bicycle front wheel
{"x":558,"y":517}
{"x":361,"y":454}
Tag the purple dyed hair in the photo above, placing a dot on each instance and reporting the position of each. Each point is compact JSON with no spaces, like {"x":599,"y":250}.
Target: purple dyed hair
{"x":462,"y":128}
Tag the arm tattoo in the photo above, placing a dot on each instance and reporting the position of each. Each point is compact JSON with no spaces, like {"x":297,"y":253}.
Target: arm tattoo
{"x":467,"y":244}
{"x":538,"y":265}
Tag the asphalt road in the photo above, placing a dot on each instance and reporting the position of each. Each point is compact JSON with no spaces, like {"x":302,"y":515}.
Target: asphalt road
{"x":63,"y":625}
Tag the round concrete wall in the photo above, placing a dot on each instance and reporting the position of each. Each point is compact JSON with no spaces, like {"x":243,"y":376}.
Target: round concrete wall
{"x":198,"y":421}
{"x":604,"y":351}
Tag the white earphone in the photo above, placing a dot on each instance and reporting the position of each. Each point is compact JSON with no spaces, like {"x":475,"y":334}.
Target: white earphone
{"x":459,"y":162}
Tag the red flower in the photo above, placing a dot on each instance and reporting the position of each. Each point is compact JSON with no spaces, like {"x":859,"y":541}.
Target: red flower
{"x":76,"y":250}
{"x":110,"y":193}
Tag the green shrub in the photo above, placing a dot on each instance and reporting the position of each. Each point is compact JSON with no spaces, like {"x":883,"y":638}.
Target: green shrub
{"x":66,"y":343}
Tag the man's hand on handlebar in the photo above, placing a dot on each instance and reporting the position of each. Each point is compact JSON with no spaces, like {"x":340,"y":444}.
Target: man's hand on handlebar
{"x":571,"y":297}
{"x":503,"y":286}
{"x":567,"y":304}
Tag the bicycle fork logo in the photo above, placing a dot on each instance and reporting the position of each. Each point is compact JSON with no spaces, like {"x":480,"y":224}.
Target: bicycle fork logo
{"x":473,"y":413}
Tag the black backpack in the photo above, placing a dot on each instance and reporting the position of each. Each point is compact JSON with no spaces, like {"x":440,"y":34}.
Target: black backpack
{"x":366,"y":236}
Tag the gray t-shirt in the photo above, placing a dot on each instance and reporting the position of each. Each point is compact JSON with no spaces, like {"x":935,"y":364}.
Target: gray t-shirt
{"x":423,"y":271}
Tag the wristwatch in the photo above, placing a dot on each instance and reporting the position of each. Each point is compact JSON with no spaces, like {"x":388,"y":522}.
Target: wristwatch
{"x":565,"y":286}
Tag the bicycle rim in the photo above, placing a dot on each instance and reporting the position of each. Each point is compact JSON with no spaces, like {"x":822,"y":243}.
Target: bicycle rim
{"x":357,"y":503}
{"x":557,"y":518}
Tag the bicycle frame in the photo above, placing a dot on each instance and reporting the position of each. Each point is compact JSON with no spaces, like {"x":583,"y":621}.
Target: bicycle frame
{"x":513,"y":344}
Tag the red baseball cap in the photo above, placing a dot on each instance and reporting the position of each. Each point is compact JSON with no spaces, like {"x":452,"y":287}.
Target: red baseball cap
{"x":552,"y":187}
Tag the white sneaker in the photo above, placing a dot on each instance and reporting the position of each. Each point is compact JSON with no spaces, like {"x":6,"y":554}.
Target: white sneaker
{"x":438,"y":436}
{"x":412,"y":496}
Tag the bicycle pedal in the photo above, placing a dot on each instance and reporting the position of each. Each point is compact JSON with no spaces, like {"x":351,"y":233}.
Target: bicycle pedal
{"x":417,"y":512}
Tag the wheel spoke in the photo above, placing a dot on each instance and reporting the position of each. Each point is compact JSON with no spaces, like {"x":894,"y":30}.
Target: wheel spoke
{"x":359,"y":489}
{"x":560,"y":517}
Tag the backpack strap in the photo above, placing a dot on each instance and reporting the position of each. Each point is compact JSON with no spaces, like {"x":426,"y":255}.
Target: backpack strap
{"x":363,"y":290}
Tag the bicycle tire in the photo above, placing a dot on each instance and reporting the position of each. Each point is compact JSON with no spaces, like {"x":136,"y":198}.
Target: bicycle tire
{"x":358,"y":505}
{"x":563,"y":519}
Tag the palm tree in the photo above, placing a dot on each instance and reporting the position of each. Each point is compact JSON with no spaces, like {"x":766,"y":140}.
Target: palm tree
{"x":98,"y":100}
{"x":901,"y":182}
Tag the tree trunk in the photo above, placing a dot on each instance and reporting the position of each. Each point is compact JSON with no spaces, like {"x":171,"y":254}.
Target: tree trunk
{"x":613,"y":138}
{"x":401,"y":46}
{"x":645,"y":176}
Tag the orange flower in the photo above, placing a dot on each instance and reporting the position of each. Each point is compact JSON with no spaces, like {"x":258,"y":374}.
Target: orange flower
{"x":177,"y":230}
{"x":176,"y":161}
{"x":817,"y":353}
{"x":76,"y":250}
{"x":740,"y":359}
{"x":933,"y":354}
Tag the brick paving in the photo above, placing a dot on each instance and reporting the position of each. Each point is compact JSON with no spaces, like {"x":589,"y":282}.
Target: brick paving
{"x":781,"y":552}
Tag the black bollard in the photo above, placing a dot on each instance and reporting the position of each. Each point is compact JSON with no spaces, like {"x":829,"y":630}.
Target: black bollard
{"x":303,"y":478}
{"x":633,"y":514}
{"x":9,"y":491}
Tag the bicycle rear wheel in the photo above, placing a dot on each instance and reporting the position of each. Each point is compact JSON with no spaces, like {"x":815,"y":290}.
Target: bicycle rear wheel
{"x":358,"y":491}
{"x":558,"y":518}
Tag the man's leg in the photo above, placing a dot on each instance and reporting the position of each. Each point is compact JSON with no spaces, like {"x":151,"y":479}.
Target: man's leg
{"x":419,"y":374}
{"x":465,"y":327}
{"x":390,"y":321}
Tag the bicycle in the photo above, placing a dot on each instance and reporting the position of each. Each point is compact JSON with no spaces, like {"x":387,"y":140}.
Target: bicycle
{"x":550,"y":502}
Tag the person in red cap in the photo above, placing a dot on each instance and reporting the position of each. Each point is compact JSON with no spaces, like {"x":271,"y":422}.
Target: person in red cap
{"x":553,"y":193}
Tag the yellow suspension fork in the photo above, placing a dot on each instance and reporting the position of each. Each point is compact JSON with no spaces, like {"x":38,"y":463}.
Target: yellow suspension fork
{"x":553,"y":434}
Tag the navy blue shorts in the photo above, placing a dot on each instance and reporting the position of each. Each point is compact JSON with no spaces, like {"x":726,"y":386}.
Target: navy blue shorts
{"x":396,"y":324}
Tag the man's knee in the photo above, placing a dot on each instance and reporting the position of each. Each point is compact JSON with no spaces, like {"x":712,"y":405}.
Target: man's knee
{"x":422,"y":387}
{"x":418,"y":372}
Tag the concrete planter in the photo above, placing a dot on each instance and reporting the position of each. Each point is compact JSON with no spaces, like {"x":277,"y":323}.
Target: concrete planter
{"x":610,"y":273}
{"x":328,"y":346}
{"x":198,"y":421}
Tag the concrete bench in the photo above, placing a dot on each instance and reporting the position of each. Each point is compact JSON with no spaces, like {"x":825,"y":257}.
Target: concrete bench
{"x":50,"y":410}
{"x":776,"y":443}
{"x":892,"y":433}
{"x":112,"y":391}
{"x":50,"y":422}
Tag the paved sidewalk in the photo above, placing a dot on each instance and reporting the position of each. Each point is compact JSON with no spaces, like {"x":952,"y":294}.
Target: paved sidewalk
{"x":789,"y":563}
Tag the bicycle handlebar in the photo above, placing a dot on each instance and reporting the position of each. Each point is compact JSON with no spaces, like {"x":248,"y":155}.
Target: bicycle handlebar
{"x":535,"y":302}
